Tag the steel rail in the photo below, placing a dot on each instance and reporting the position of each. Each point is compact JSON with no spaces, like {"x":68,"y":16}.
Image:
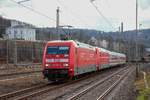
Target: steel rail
{"x":19,"y":92}
{"x":20,"y":73}
{"x":102,"y":96}
{"x":33,"y":91}
{"x":42,"y":91}
{"x":76,"y":96}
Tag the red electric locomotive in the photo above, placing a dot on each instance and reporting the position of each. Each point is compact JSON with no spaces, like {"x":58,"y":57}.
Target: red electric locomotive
{"x":67,"y":59}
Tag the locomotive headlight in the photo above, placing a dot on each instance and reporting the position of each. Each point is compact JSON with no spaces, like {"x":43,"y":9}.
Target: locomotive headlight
{"x":46,"y":65}
{"x":66,"y":65}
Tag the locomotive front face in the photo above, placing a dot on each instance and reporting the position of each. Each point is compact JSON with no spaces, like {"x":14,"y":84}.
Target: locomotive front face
{"x":57,"y":57}
{"x":56,"y":62}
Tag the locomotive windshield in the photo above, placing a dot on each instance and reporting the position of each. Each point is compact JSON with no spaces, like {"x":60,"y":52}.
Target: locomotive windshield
{"x":57,"y":50}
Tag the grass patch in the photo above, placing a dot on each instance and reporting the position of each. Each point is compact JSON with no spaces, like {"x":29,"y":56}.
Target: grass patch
{"x":143,"y":93}
{"x":148,"y":78}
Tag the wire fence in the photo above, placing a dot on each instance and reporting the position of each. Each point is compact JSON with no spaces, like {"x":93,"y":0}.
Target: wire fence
{"x":21,"y":52}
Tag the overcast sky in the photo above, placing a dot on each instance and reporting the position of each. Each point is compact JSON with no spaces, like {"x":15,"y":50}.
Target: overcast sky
{"x":80,"y":13}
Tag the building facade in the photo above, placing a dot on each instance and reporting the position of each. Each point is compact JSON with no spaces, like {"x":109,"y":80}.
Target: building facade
{"x":21,"y":32}
{"x":4,"y":23}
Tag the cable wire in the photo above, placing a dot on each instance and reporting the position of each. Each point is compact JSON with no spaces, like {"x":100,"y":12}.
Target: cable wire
{"x":35,"y":11}
{"x":101,"y":14}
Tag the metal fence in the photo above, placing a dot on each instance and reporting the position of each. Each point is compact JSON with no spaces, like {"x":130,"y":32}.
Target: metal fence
{"x":29,"y":52}
{"x":20,"y":51}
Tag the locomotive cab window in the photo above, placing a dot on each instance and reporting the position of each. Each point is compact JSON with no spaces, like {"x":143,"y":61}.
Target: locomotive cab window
{"x":57,"y":50}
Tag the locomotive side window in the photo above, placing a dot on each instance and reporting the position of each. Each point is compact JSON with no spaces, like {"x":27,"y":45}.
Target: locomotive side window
{"x":57,"y":50}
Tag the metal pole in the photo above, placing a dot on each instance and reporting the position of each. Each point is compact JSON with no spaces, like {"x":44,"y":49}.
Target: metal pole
{"x":136,"y":29}
{"x":136,"y":16}
{"x":15,"y":52}
{"x":57,"y":22}
{"x":121,"y":27}
{"x":32,"y":48}
{"x":136,"y":53}
{"x":7,"y":50}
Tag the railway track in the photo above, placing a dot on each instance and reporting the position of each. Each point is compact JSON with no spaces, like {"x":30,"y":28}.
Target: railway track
{"x":29,"y":93}
{"x":110,"y":88}
{"x":33,"y":91}
{"x":21,"y":73}
{"x":19,"y":77}
{"x":19,"y":92}
{"x":102,"y":96}
{"x":14,"y":67}
{"x":14,"y":76}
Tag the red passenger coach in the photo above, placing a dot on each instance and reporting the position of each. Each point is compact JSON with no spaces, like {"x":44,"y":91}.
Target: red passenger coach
{"x":103,"y":58}
{"x":66,"y":59}
{"x":85,"y":58}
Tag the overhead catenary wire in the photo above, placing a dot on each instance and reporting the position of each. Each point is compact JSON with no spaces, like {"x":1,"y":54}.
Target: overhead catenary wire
{"x":54,"y":20}
{"x":101,"y":14}
{"x":35,"y":11}
{"x":23,"y":1}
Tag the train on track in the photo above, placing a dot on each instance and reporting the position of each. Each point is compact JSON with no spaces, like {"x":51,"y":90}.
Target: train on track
{"x":68,"y":59}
